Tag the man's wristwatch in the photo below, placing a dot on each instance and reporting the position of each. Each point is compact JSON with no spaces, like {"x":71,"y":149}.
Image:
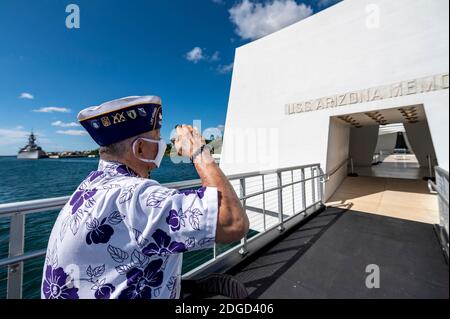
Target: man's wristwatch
{"x":199,"y":151}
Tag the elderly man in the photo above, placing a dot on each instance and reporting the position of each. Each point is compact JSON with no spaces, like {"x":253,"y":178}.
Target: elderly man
{"x":122,"y":235}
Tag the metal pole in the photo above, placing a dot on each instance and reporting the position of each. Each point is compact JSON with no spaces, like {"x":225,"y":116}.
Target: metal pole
{"x":293,"y":195}
{"x":320,"y":185}
{"x":313,"y":174}
{"x":243,"y":250}
{"x":280,"y":201}
{"x":264,"y":202}
{"x":430,"y":170}
{"x":16,"y":247}
{"x":302,"y":176}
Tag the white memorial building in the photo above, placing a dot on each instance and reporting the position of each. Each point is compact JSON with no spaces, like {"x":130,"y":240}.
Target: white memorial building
{"x":318,"y":91}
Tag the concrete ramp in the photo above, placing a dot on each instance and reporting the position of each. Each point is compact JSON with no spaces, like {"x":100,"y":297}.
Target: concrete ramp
{"x":400,"y":198}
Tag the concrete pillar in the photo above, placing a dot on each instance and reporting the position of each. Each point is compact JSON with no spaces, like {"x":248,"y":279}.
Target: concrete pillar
{"x":420,"y":139}
{"x":362,"y":144}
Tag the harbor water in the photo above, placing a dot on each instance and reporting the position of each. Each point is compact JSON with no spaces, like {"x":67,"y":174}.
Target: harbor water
{"x":36,"y":179}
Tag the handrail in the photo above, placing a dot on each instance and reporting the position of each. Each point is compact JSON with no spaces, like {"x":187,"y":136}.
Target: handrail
{"x":18,"y":210}
{"x":31,"y":206}
{"x":433,"y":187}
{"x":442,"y":171}
{"x":13,"y":260}
{"x":16,"y":259}
{"x":334,"y":171}
{"x":37,"y":205}
{"x":278,"y":187}
{"x":435,"y":190}
{"x":441,"y":188}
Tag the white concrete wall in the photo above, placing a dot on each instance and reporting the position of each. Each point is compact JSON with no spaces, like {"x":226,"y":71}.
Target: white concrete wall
{"x":421,"y":142}
{"x":338,"y":150}
{"x":332,"y":52}
{"x":362,"y":144}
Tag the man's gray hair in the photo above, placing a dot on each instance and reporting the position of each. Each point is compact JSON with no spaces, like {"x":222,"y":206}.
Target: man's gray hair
{"x":117,"y":149}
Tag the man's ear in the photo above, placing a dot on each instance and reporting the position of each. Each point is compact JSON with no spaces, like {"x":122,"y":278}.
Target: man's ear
{"x":139,"y":147}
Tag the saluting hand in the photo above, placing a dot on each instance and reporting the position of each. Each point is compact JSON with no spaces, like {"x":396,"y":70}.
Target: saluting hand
{"x":188,"y":140}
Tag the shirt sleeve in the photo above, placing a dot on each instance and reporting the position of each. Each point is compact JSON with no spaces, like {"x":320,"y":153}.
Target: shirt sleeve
{"x":170,"y":221}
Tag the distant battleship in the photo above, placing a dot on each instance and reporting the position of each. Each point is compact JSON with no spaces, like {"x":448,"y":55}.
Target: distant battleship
{"x":31,"y":150}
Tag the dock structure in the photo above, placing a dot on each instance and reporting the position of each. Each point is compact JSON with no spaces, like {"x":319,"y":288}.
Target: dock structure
{"x":340,"y":204}
{"x":299,"y":246}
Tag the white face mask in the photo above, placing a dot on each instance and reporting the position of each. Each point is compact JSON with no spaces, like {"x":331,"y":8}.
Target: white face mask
{"x":161,"y":150}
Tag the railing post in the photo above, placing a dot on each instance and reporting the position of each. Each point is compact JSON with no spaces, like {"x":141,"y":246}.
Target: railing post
{"x":430,"y":169}
{"x":320,"y":184}
{"x":16,"y":248}
{"x":303,"y":183}
{"x":264,"y":202}
{"x":243,"y":250}
{"x":280,"y":201}
{"x":293,"y":193}
{"x":352,"y":168}
{"x":313,"y":174}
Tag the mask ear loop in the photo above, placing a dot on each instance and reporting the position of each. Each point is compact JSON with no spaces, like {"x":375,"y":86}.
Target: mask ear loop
{"x":133,"y":147}
{"x":135,"y":153}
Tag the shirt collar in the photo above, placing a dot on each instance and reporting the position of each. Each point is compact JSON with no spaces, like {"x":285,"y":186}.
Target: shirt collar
{"x":114,"y":168}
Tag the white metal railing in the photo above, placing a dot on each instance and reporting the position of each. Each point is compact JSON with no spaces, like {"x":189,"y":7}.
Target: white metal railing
{"x":441,"y":188}
{"x":274,"y":200}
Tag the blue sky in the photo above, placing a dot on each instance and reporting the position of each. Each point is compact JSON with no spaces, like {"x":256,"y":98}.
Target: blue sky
{"x":180,"y":50}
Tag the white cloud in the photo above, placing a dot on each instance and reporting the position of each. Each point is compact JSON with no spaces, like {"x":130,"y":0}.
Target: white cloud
{"x":255,"y":20}
{"x":223,"y":69}
{"x":13,"y":136}
{"x":18,"y":137}
{"x":198,"y":54}
{"x":215,"y":56}
{"x":11,"y":140}
{"x":62,"y":124}
{"x":51,"y":109}
{"x":195,"y":55}
{"x":72,"y":132}
{"x":26,"y":96}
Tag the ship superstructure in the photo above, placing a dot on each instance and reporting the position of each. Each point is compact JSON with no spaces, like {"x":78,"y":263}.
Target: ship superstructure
{"x":31,"y":150}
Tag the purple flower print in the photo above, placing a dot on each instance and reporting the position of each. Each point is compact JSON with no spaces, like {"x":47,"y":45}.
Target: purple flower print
{"x":55,"y":285}
{"x":79,"y":197}
{"x":124,"y":170}
{"x":99,"y":232}
{"x":140,"y":283}
{"x":104,"y":291}
{"x":173,"y":220}
{"x":200,"y":192}
{"x":163,"y":245}
{"x":94,"y":175}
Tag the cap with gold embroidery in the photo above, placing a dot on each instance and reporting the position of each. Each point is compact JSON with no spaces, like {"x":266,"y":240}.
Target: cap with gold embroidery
{"x":120,"y":119}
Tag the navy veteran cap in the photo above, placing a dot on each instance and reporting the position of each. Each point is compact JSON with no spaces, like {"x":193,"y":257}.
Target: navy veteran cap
{"x":120,"y":119}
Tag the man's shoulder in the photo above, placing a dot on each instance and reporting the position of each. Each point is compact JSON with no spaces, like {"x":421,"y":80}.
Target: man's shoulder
{"x":128,"y":187}
{"x":125,"y":182}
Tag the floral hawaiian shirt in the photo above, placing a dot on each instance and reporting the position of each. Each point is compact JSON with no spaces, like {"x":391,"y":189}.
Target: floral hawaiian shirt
{"x":122,"y":236}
